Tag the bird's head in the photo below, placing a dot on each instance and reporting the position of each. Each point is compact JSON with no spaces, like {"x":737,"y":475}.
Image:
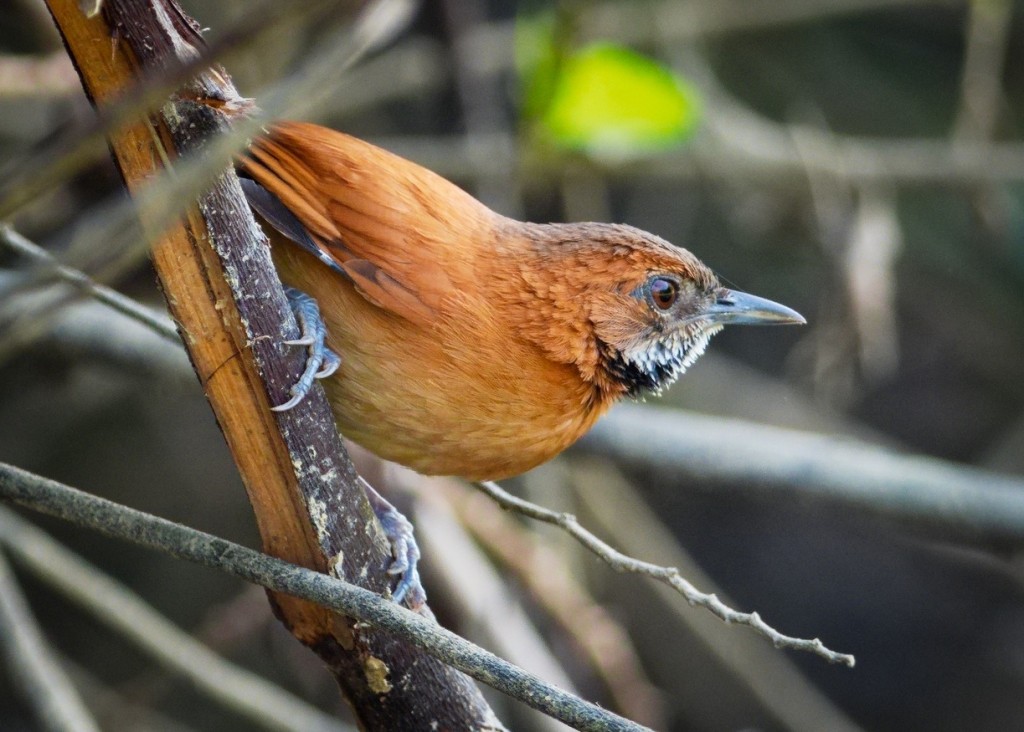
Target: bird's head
{"x":650,"y":307}
{"x":660,"y":326}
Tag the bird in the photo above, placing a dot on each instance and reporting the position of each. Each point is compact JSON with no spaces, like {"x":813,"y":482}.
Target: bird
{"x":457,"y":341}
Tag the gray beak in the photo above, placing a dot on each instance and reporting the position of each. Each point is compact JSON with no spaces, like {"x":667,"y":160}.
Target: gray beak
{"x":739,"y":308}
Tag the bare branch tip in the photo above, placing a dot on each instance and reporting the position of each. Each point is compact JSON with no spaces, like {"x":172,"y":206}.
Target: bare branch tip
{"x":669,"y":575}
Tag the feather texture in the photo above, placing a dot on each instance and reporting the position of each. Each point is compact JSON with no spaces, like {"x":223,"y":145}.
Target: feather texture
{"x":471,"y":344}
{"x":360,"y":219}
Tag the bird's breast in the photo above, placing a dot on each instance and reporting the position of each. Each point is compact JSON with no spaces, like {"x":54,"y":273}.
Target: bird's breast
{"x":466,"y":395}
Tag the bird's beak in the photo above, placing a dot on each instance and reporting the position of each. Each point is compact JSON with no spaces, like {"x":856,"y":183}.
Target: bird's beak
{"x":739,"y":308}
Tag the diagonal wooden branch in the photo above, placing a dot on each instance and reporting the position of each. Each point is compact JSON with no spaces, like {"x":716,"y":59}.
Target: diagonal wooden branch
{"x":222,"y":291}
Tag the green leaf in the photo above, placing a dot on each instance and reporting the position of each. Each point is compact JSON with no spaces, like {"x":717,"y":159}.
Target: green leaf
{"x":612,"y":102}
{"x":538,"y":57}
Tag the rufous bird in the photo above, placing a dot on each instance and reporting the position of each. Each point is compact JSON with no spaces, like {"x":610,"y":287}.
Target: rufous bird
{"x":472,"y":344}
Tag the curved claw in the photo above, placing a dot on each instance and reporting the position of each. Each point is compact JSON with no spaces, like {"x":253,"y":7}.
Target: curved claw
{"x":404,"y":549}
{"x":322,"y":361}
{"x":332,"y":362}
{"x":293,"y":402}
{"x":410,"y":589}
{"x":305,"y":341}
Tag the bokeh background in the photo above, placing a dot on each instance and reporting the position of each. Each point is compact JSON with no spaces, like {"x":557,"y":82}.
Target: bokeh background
{"x":860,"y":160}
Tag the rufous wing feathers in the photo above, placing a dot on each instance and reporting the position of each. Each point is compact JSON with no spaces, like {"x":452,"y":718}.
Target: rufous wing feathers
{"x":383,"y":221}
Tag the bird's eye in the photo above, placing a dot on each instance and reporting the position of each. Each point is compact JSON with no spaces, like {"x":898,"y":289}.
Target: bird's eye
{"x":664,"y":292}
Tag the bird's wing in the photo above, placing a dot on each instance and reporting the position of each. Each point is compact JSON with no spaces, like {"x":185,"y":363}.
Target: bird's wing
{"x":402,"y":234}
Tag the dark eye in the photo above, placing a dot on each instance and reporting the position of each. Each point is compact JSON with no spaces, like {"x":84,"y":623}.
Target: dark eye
{"x":664,"y":292}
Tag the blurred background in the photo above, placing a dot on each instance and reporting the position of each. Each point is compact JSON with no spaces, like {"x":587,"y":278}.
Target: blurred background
{"x":859,"y":160}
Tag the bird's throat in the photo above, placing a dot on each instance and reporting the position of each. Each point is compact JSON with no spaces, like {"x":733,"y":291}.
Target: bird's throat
{"x":652,"y":367}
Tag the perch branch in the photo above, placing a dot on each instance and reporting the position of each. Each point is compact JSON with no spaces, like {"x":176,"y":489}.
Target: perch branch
{"x":216,"y":271}
{"x":55,"y":499}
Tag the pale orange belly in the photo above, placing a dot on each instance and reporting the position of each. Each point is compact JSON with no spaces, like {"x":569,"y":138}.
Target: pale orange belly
{"x":470,"y":399}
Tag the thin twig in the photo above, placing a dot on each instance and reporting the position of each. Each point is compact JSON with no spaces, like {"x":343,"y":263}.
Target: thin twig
{"x":601,"y":638}
{"x":87,"y":332}
{"x":156,"y":322}
{"x":55,"y":499}
{"x":615,"y":507}
{"x":263,"y":703}
{"x":53,"y":696}
{"x":476,"y":592}
{"x":669,"y":575}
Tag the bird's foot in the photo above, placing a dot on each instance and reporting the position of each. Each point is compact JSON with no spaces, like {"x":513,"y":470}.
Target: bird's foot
{"x":322,"y":361}
{"x":406,"y":552}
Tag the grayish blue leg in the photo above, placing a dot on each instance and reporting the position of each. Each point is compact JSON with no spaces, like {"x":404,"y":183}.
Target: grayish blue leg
{"x":322,"y":361}
{"x":399,"y":531}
